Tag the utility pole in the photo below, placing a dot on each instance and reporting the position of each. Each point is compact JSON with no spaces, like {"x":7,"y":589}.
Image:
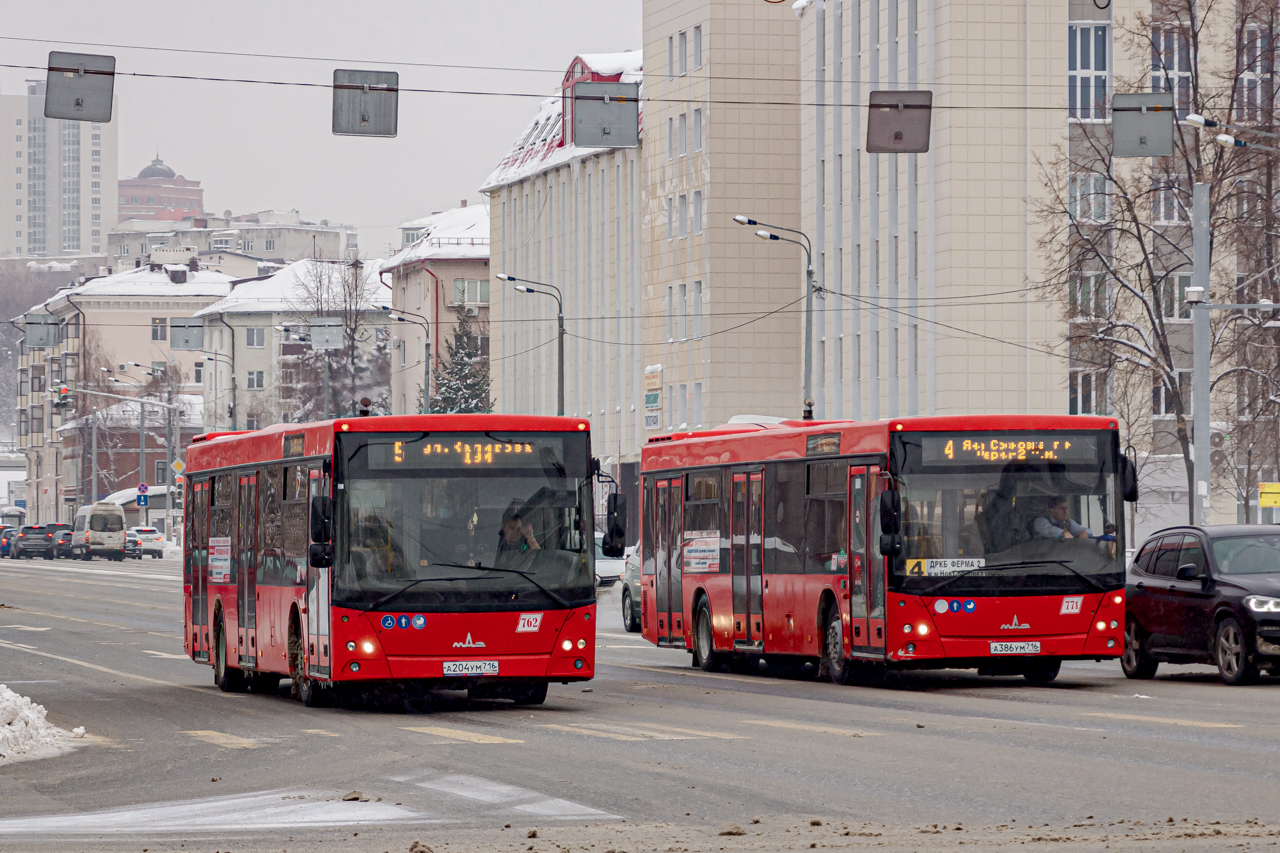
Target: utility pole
{"x":1201,"y":343}
{"x":93,"y":429}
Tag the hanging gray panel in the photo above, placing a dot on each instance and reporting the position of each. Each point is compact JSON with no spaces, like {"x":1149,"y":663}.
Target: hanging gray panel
{"x":186,"y":334}
{"x":606,"y":115}
{"x":79,"y":86}
{"x":898,"y":121}
{"x":326,"y":333}
{"x":1142,"y":124}
{"x":41,"y":331}
{"x":365,"y":103}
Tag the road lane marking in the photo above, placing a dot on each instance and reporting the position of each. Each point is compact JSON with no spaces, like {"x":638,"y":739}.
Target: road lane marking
{"x":579,"y":730}
{"x":720,"y":735}
{"x":167,"y":655}
{"x":807,"y":727}
{"x":502,"y":794}
{"x":31,"y":650}
{"x":459,"y":734}
{"x":143,"y":575}
{"x":321,"y":732}
{"x":224,"y":739}
{"x":1166,"y":720}
{"x":21,"y":628}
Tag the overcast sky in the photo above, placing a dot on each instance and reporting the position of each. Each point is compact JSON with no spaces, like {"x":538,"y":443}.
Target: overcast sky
{"x":255,"y":147}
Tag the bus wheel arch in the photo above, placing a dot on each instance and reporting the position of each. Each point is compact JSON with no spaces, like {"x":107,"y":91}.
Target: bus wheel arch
{"x":309,"y":692}
{"x":832,"y":664}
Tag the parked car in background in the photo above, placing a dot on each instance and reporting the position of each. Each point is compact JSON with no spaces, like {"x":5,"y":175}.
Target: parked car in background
{"x":608,"y":569}
{"x":150,"y":540}
{"x":33,"y":540}
{"x":62,"y":542}
{"x":132,"y":548}
{"x":99,"y":531}
{"x":631,"y":594}
{"x":1206,"y":594}
{"x":7,"y":535}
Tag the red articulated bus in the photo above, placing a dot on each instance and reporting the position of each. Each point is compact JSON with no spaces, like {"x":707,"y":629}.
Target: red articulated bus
{"x":445,"y":551}
{"x":989,"y":542}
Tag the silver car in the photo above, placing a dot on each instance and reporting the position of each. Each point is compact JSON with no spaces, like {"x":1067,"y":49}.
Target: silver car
{"x":631,"y":593}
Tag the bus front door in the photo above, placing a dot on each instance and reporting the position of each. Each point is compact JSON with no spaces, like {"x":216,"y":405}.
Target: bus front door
{"x":857,"y":569}
{"x":668,"y":589}
{"x":245,"y":544}
{"x":197,"y":554}
{"x":877,"y":564}
{"x":746,"y":560}
{"x":318,"y":599}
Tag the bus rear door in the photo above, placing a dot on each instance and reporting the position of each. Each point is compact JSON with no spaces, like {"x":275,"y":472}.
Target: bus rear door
{"x":668,"y":586}
{"x":245,"y":539}
{"x":746,"y":560}
{"x":877,"y":564}
{"x":197,"y":549}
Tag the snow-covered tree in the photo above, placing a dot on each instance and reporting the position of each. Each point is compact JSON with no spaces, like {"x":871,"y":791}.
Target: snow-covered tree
{"x":462,"y":376}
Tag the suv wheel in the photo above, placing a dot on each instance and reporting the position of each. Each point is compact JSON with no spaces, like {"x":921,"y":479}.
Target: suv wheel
{"x":1231,"y":650}
{"x":1137,"y":661}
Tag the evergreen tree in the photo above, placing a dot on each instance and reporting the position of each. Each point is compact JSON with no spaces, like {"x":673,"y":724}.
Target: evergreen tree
{"x":462,"y":377}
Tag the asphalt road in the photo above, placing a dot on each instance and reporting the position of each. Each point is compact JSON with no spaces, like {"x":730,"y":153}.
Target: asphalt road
{"x":649,"y":755}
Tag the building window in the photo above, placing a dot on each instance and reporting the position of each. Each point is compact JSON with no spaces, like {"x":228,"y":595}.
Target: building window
{"x":1171,"y":65}
{"x":683,"y":303}
{"x":37,"y":420}
{"x":1087,"y":390}
{"x":697,"y":129}
{"x":697,"y":211}
{"x":1172,"y":290}
{"x":682,"y":51}
{"x":683,"y":211}
{"x":1087,"y":70}
{"x":682,"y":400}
{"x":269,"y":245}
{"x":671,"y":57}
{"x":468,"y":291}
{"x":683,"y":124}
{"x":255,"y":338}
{"x":697,"y":47}
{"x":1163,"y":400}
{"x":71,"y":365}
{"x":671,"y":313}
{"x":159,"y":328}
{"x":24,"y":382}
{"x":198,"y":373}
{"x":37,"y":379}
{"x":671,"y":138}
{"x":403,"y":354}
{"x":251,"y":422}
{"x":96,"y":153}
{"x":23,"y":429}
{"x":1087,"y":296}
{"x":671,"y":219}
{"x":697,"y":309}
{"x":1257,"y":65}
{"x":255,"y":380}
{"x":1169,"y":202}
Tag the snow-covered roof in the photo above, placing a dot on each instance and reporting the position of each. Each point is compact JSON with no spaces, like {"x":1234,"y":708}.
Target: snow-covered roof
{"x":124,"y":413}
{"x":542,"y":145}
{"x":125,"y":496}
{"x":293,"y":289}
{"x":144,"y":282}
{"x":461,"y":233}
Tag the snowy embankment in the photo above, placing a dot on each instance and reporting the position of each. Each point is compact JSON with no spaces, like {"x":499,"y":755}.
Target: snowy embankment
{"x":26,"y":734}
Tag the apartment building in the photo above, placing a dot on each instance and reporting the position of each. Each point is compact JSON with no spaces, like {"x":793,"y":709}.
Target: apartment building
{"x":124,"y":334}
{"x":52,"y":200}
{"x":444,"y":271}
{"x":258,"y":344}
{"x":278,"y":236}
{"x":574,"y":218}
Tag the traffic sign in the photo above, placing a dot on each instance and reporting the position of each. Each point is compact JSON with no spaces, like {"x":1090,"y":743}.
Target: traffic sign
{"x":178,"y":466}
{"x":142,"y":499}
{"x":142,"y":488}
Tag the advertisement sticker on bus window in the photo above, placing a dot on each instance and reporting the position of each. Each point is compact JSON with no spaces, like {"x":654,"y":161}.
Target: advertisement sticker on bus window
{"x":942,"y":568}
{"x":529,"y":623}
{"x":219,"y":559}
{"x":702,"y":551}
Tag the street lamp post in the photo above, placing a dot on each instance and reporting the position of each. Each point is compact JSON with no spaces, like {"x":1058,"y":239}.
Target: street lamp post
{"x":397,"y":315}
{"x":808,"y":291}
{"x":524,"y":288}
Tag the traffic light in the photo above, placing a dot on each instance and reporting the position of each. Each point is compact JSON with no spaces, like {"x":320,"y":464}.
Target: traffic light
{"x":64,"y":397}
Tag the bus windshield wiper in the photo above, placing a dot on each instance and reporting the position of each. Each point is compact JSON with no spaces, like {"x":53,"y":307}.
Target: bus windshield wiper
{"x":526,"y":575}
{"x":1018,"y":565}
{"x":406,"y":588}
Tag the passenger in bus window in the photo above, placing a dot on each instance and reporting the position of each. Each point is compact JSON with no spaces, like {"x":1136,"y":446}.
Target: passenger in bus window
{"x":1057,"y":524}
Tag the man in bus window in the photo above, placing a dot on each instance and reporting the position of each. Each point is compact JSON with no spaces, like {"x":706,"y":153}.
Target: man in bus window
{"x":515,"y":540}
{"x":1057,"y":524}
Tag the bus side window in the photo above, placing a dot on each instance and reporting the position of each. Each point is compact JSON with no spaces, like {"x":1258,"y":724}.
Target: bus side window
{"x":220,"y":514}
{"x":270,"y":544}
{"x":647,"y":564}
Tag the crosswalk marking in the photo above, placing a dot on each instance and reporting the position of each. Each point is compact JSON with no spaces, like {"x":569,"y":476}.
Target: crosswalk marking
{"x":1168,"y":720}
{"x":695,"y":732}
{"x":579,"y":730}
{"x":224,"y":739}
{"x":516,"y":798}
{"x":806,"y":727}
{"x":459,"y":734}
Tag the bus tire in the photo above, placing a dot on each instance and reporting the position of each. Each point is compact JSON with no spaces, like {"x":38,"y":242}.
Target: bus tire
{"x":1137,"y":662}
{"x":704,"y":655}
{"x":229,"y":679}
{"x":534,"y":694}
{"x":1042,"y":671}
{"x":834,"y":666}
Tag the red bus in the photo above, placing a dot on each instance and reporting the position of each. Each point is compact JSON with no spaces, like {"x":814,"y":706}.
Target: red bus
{"x":988,"y":542}
{"x":441,"y":551}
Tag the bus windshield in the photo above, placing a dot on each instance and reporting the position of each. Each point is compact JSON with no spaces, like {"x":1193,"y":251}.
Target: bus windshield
{"x":1001,"y":513}
{"x":464,"y":522}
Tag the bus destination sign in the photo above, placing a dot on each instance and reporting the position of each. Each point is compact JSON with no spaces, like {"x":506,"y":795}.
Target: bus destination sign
{"x":967,"y":448}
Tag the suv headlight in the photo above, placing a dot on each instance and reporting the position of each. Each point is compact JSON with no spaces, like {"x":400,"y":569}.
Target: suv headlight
{"x":1262,"y":604}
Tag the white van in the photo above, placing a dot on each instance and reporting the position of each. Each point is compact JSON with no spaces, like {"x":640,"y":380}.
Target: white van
{"x":99,"y":529}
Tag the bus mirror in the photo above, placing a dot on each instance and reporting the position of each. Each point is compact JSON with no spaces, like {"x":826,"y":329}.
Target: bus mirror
{"x":890,"y":544}
{"x":614,"y":543}
{"x":1129,"y":479}
{"x":890,"y":512}
{"x":321,"y":518}
{"x":320,"y":555}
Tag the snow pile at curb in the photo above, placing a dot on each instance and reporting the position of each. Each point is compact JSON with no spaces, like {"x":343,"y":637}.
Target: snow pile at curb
{"x":25,"y":734}
{"x":172,"y":552}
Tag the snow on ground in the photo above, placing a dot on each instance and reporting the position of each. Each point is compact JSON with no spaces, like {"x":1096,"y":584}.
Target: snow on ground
{"x":25,"y":733}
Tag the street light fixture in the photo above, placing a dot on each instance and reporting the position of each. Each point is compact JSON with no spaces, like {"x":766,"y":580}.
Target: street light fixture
{"x":808,"y":289}
{"x":558,"y":297}
{"x":426,"y":353}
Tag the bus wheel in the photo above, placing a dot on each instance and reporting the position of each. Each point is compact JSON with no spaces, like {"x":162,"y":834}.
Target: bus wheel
{"x":309,"y":692}
{"x":704,"y":654}
{"x":834,"y":666}
{"x":229,"y":679}
{"x":1042,"y":671}
{"x":534,"y":694}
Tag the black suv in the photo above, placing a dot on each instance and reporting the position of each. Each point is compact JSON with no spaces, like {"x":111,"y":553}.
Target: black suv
{"x":33,"y":539}
{"x":1206,"y":595}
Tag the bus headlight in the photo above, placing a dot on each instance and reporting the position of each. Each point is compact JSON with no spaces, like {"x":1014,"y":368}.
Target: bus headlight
{"x":1101,"y":626}
{"x":567,"y":645}
{"x":368,"y":647}
{"x":922,"y":629}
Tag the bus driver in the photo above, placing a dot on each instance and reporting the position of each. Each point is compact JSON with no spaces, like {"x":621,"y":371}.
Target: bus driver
{"x":1056,"y":525}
